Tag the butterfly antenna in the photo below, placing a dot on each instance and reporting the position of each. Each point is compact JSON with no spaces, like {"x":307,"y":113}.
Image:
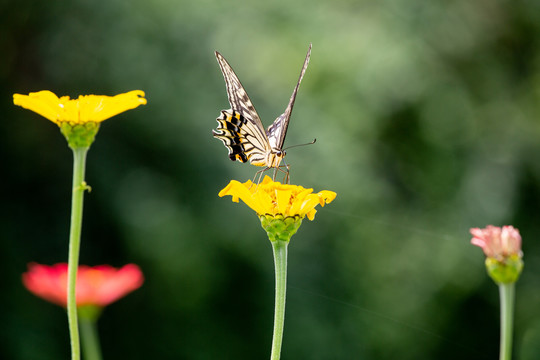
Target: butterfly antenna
{"x":293,"y":146}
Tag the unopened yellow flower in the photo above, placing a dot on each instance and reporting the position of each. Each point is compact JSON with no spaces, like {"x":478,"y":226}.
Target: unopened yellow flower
{"x":85,"y":109}
{"x":274,"y":199}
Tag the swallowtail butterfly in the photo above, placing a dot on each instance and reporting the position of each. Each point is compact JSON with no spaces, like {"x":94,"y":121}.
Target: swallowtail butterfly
{"x":240,"y":127}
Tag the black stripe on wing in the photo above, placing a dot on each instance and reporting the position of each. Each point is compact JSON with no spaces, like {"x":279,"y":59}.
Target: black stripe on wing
{"x":278,"y":130}
{"x":243,"y":140}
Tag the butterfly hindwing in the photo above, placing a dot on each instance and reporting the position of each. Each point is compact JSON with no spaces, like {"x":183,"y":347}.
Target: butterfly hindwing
{"x":241,"y":138}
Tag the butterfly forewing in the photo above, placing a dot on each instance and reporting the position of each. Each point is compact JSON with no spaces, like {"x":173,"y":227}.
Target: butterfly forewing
{"x":278,"y":130}
{"x":238,"y":97}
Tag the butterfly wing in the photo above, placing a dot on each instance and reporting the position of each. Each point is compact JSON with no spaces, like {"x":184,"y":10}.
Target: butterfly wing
{"x":240,"y":128}
{"x":278,"y":130}
{"x":242,"y":138}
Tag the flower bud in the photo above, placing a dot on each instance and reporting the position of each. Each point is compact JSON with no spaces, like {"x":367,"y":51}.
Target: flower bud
{"x":502,"y":247}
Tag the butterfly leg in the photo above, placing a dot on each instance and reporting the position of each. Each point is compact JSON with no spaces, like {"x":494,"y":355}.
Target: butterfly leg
{"x":286,"y":177}
{"x":259,"y":174}
{"x":275,"y":173}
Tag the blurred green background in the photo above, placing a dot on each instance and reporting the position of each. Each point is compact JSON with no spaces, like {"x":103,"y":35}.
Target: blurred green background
{"x":426,"y":115}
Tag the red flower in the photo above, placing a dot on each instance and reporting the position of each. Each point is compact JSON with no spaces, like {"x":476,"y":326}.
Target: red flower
{"x":99,"y":285}
{"x":498,"y":243}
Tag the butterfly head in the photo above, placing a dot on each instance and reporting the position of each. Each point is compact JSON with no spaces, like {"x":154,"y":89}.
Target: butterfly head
{"x":280,"y":153}
{"x":274,"y":157}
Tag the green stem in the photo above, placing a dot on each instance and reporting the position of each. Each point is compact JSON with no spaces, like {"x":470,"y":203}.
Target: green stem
{"x":79,"y":186}
{"x":506,"y":292}
{"x":90,"y":339}
{"x":280,"y":261}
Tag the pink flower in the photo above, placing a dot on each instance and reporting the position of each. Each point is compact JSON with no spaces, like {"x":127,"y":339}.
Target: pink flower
{"x":498,"y":243}
{"x":99,"y":285}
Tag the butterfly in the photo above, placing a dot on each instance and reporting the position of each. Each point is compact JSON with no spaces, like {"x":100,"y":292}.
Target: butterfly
{"x":241,"y":130}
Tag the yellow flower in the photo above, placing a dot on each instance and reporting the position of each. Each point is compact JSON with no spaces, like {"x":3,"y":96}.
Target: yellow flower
{"x":79,"y":119}
{"x":85,"y":109}
{"x":274,"y":199}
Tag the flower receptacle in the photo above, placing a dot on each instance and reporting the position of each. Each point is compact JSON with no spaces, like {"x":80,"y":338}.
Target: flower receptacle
{"x":504,"y":272}
{"x":79,"y":135}
{"x":280,"y":228}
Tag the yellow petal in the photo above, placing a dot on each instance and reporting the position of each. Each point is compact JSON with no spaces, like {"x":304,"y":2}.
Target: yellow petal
{"x":311,"y":214}
{"x":266,"y":180}
{"x":283,"y":198}
{"x":296,"y":207}
{"x":264,"y":203}
{"x":44,"y":103}
{"x":99,"y":108}
{"x":239,"y":191}
{"x":309,"y":203}
{"x":87,"y":108}
{"x":326,"y":196}
{"x":236,"y":190}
